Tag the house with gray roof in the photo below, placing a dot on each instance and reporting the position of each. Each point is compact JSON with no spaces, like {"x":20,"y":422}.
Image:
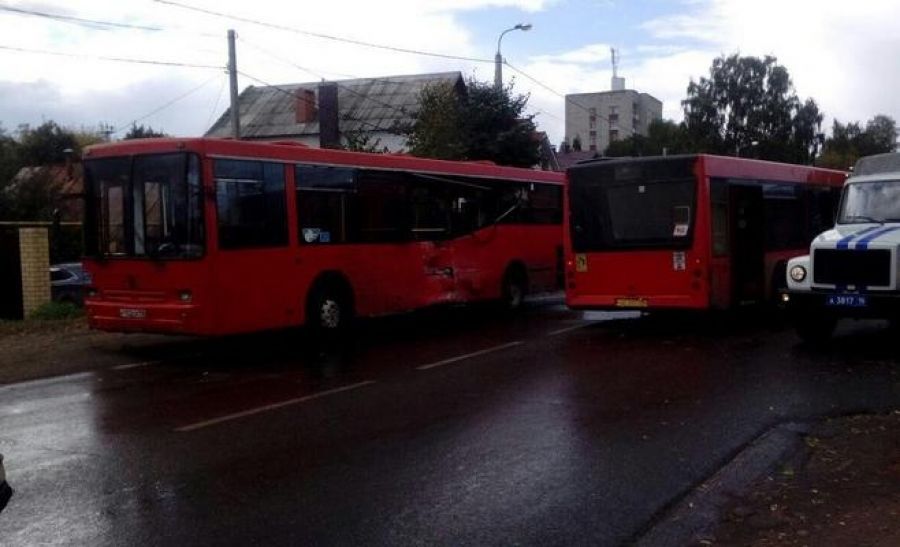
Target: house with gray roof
{"x":317,"y":113}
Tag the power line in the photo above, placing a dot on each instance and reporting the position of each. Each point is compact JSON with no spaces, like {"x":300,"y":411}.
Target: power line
{"x":165,"y":105}
{"x":216,"y":104}
{"x":564,"y":97}
{"x":105,"y":58}
{"x":323,"y":36}
{"x":96,"y":23}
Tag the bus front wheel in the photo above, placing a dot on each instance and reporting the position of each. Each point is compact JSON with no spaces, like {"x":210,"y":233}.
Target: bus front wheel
{"x":329,"y":310}
{"x":515,"y":287}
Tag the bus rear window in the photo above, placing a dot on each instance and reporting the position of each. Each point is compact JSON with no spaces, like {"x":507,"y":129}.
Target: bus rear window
{"x":639,"y":204}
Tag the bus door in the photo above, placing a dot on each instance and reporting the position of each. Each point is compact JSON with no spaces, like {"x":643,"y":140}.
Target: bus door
{"x":747,"y":231}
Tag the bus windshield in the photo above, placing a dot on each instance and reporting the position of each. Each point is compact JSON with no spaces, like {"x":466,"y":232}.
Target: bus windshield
{"x":144,"y":206}
{"x":871,"y":202}
{"x":634,"y":204}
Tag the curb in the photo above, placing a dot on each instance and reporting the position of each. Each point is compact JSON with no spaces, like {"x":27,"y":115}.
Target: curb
{"x":693,"y":518}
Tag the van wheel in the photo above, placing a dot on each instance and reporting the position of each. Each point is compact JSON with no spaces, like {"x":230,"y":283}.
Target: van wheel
{"x":328,"y":311}
{"x":515,"y":287}
{"x":813,"y":329}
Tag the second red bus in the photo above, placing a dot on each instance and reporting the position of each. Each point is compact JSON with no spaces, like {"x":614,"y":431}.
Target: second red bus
{"x":689,"y":232}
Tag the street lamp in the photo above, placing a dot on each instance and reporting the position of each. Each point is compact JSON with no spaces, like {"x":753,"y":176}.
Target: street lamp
{"x":498,"y":59}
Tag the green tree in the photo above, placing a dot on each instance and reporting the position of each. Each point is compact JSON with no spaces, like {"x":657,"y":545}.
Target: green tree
{"x":46,"y":144}
{"x":141,"y":132}
{"x":849,"y":142}
{"x":662,"y":136}
{"x":484,"y":123}
{"x":748,"y":102}
{"x":10,"y":163}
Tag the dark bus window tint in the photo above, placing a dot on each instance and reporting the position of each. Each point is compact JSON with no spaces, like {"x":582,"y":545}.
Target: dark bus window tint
{"x":431,"y":209}
{"x":718,"y":190}
{"x":545,"y":204}
{"x":382,"y":212}
{"x":106,"y":181}
{"x":250,"y":200}
{"x":784,"y":218}
{"x":512,"y":202}
{"x":649,"y":212}
{"x":324,"y":203}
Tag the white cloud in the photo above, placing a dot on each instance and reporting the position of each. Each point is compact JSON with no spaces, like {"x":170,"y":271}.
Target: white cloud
{"x":842,"y":54}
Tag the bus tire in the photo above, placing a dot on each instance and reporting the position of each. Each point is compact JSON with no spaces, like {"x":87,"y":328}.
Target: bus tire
{"x":329,"y":309}
{"x":815,"y":329}
{"x":514,"y":288}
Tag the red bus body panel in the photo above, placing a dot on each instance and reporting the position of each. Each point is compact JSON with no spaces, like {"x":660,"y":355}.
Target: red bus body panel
{"x":249,"y":290}
{"x":648,"y":279}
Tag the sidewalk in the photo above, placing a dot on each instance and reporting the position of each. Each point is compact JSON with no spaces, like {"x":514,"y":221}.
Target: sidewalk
{"x":845,"y":491}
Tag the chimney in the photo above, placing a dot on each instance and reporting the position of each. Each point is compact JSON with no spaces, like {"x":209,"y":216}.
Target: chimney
{"x":305,"y":106}
{"x":329,"y":131}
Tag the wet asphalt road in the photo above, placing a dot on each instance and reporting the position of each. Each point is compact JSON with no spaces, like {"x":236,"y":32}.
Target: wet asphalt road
{"x":452,"y":427}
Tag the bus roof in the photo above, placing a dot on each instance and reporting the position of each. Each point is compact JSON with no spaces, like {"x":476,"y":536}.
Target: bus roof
{"x":296,"y":152}
{"x":732,"y":167}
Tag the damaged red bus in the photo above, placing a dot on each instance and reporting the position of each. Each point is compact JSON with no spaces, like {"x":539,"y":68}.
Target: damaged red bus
{"x":209,"y":236}
{"x":689,"y":232}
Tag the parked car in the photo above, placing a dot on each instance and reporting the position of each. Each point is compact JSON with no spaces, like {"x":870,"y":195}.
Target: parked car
{"x":5,"y":490}
{"x":67,"y":283}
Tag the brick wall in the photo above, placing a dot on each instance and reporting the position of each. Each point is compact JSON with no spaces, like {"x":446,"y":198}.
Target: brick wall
{"x":34,"y":249}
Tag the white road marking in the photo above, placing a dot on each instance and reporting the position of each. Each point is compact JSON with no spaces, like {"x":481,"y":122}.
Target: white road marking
{"x":469,"y":355}
{"x":273,"y":406}
{"x":129,"y":366}
{"x":46,"y":381}
{"x":564,"y":330}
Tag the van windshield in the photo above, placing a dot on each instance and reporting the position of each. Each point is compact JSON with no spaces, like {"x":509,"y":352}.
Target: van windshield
{"x":870,"y":202}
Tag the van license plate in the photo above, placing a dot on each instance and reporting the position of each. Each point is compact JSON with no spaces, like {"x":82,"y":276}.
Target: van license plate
{"x":132,"y":313}
{"x":847,"y":300}
{"x":631,"y":303}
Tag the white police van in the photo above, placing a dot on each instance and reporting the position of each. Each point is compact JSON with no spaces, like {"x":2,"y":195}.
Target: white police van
{"x":852,"y":269}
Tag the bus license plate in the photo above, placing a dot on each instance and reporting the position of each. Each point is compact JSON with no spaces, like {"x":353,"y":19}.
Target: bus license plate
{"x":132,"y":313}
{"x":847,"y":300}
{"x":631,"y":303}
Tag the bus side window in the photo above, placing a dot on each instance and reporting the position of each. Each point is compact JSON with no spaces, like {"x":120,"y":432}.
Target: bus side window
{"x":381,"y":208}
{"x":545,"y":204}
{"x":251,"y":205}
{"x":323,"y":203}
{"x":431,"y":209}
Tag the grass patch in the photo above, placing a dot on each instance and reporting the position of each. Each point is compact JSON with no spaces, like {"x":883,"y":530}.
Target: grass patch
{"x":54,"y":311}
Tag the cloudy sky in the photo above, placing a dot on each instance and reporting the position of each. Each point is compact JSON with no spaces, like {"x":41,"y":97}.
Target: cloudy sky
{"x":841,"y":53}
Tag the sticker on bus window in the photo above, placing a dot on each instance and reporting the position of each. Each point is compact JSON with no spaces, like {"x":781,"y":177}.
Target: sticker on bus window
{"x":581,"y":263}
{"x":679,"y":261}
{"x":324,"y":237}
{"x":310,"y":235}
{"x":681,"y":230}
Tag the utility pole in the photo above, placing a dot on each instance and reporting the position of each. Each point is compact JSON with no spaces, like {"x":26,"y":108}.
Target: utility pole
{"x":233,"y":84}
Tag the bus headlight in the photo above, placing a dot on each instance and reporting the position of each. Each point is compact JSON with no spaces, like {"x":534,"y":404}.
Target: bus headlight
{"x":185,"y":296}
{"x":798,"y":273}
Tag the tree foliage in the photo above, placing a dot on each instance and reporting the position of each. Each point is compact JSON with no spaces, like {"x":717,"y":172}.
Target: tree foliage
{"x":46,"y":144}
{"x":849,"y":142}
{"x":662,"y":136}
{"x":747,"y":106}
{"x":141,"y":132}
{"x":484,"y":123}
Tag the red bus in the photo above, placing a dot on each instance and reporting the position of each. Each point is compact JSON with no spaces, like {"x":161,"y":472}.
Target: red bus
{"x":208,"y":236}
{"x":689,"y":232}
